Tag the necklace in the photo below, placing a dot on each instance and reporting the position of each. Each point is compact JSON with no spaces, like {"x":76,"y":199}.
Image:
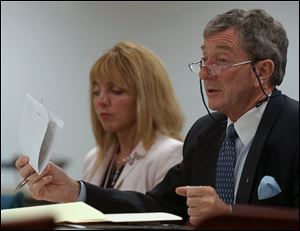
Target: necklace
{"x":119,"y":165}
{"x":116,"y":175}
{"x":120,"y":162}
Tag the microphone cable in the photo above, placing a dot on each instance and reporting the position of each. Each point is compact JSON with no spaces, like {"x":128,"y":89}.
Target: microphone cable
{"x":266,"y":98}
{"x":210,"y":115}
{"x":261,"y":87}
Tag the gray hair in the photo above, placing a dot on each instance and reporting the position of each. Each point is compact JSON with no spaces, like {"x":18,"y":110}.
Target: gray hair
{"x":262,"y":36}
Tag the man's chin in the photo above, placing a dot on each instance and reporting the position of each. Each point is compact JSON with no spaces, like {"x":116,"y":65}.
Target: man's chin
{"x":212,"y":106}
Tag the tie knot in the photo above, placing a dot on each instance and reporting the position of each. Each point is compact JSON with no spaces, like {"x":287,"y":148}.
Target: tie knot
{"x":230,"y":132}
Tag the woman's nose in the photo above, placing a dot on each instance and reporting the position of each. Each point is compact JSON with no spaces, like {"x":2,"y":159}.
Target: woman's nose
{"x":102,"y":99}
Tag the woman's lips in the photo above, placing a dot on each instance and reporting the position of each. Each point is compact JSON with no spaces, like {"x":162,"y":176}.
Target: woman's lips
{"x":104,"y":115}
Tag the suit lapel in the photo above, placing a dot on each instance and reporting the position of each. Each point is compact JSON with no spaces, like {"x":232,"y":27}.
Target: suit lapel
{"x":205,"y":157}
{"x":248,"y":174}
{"x":103,"y":171}
{"x":137,"y":155}
{"x":126,"y":170}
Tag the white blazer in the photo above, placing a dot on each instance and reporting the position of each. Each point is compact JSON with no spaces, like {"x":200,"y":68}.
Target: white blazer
{"x":142,"y":174}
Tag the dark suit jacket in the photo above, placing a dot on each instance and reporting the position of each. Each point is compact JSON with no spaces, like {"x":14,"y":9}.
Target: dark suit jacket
{"x":274,"y":152}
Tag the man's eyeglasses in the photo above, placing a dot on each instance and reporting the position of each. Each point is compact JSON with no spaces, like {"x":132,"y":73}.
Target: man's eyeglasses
{"x":213,"y":69}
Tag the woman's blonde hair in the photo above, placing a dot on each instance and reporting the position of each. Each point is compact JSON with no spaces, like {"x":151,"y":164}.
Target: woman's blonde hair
{"x":137,"y":69}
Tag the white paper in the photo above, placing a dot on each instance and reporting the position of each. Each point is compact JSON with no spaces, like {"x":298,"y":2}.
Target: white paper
{"x":37,"y":133}
{"x":141,"y":217}
{"x":79,"y":212}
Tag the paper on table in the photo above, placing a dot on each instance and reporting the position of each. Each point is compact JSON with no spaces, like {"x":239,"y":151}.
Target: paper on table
{"x":62,"y":212}
{"x":141,"y":217}
{"x":79,"y":212}
{"x":37,"y":132}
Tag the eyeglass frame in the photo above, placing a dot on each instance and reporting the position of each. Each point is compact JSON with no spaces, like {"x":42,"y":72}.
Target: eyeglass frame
{"x":217,"y":68}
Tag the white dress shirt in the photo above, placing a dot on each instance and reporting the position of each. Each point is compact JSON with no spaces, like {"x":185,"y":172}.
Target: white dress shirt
{"x":245,"y":127}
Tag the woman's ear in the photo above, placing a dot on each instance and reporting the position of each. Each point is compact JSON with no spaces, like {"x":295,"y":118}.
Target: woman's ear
{"x":265,"y":69}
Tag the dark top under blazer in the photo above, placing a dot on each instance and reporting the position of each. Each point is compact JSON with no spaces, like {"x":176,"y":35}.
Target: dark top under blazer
{"x":274,"y":152}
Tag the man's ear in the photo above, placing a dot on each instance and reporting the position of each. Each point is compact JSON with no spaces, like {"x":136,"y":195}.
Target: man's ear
{"x":265,"y":69}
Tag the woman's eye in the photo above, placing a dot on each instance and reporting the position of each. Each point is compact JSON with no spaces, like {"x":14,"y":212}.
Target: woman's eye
{"x":96,"y":92}
{"x":117,"y":91}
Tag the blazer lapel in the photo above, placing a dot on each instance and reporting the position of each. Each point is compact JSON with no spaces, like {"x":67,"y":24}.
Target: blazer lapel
{"x":204,"y":161}
{"x":137,"y":155}
{"x":101,"y":173}
{"x":259,"y":140}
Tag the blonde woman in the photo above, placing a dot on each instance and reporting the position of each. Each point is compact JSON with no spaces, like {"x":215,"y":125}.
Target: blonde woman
{"x":136,"y":120}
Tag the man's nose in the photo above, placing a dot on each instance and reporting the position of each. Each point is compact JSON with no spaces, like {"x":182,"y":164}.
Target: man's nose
{"x":207,"y":73}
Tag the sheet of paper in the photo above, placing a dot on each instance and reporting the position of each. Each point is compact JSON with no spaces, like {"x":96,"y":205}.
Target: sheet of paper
{"x":38,"y":129}
{"x":141,"y":217}
{"x":79,"y":212}
{"x":76,"y":212}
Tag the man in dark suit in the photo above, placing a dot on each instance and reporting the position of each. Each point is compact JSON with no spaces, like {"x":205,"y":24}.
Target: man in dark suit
{"x":244,"y":58}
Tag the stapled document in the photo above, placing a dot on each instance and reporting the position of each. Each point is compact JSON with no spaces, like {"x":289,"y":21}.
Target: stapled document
{"x":38,"y":129}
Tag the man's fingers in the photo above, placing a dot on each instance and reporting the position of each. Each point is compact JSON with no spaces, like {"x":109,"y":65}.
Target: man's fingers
{"x":181,"y":190}
{"x":37,"y":188}
{"x":26,"y":171}
{"x":196,"y":220}
{"x":22,"y":161}
{"x":34,"y":176}
{"x":47,"y":168}
{"x":37,"y":185}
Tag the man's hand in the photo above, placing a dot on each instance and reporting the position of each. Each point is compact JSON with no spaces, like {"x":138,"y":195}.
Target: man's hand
{"x":53,"y":184}
{"x":203,"y":202}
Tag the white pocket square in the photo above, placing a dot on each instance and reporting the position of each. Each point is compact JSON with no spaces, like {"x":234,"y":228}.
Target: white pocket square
{"x":268,"y":188}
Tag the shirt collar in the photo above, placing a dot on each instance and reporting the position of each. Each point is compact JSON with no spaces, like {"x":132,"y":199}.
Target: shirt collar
{"x":246,"y":126}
